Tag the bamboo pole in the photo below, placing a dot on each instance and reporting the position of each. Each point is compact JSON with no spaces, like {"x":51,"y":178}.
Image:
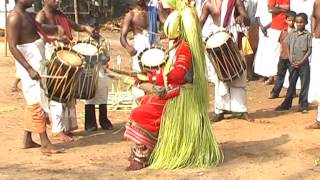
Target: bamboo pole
{"x":76,"y":18}
{"x":5,"y":29}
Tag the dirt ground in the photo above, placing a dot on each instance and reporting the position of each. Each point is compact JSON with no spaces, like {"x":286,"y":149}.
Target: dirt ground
{"x":276,"y":146}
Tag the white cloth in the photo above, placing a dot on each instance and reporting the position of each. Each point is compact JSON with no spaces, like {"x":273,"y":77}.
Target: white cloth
{"x":314,"y":87}
{"x":34,"y":54}
{"x":141,"y":42}
{"x":101,"y":95}
{"x":251,"y":8}
{"x":303,"y":6}
{"x":231,"y":97}
{"x":63,"y":115}
{"x":263,"y":13}
{"x":268,"y":52}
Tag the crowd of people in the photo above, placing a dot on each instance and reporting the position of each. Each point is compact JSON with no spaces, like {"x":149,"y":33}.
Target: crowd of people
{"x":160,"y":123}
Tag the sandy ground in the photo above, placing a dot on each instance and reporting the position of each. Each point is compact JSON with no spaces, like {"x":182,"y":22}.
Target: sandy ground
{"x":276,"y":146}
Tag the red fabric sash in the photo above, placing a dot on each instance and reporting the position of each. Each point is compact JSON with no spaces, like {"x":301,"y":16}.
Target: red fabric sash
{"x":226,"y":20}
{"x":63,"y":21}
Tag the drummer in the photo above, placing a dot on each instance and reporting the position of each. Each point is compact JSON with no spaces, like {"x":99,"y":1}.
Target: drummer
{"x":101,"y":95}
{"x":229,"y":97}
{"x":137,"y":22}
{"x":27,"y":49}
{"x":63,"y":115}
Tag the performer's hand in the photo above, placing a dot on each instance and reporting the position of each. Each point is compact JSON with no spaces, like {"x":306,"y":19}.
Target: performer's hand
{"x":240,"y":20}
{"x":132,"y":51}
{"x":160,"y":91}
{"x":264,"y":30}
{"x":34,"y":74}
{"x":89,"y":29}
{"x":147,"y":87}
{"x":64,"y":39}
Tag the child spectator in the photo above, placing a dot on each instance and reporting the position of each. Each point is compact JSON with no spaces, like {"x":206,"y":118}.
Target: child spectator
{"x":284,"y":63}
{"x":299,"y":44}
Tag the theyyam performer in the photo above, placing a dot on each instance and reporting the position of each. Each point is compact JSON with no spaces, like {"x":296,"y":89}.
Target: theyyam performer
{"x":171,"y":128}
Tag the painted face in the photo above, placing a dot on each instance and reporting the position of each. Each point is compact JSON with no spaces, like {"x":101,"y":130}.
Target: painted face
{"x":300,"y":23}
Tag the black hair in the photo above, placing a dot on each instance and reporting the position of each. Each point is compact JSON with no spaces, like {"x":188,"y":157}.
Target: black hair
{"x":291,"y":14}
{"x":304,"y":16}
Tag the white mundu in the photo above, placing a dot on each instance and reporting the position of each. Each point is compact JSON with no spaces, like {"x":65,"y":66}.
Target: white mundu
{"x":268,"y":52}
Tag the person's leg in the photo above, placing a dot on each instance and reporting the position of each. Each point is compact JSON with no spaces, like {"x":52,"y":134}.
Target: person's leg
{"x":15,"y":83}
{"x":38,"y":125}
{"x":58,"y":116}
{"x":287,"y":103}
{"x":90,"y":123}
{"x":28,"y":142}
{"x":70,"y":122}
{"x":316,"y":124}
{"x":249,"y":60}
{"x":282,"y":69}
{"x":47,"y":146}
{"x":304,"y":72}
{"x":105,"y":123}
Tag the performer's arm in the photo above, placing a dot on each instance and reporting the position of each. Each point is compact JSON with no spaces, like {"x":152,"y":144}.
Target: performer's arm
{"x":204,"y":14}
{"x":14,"y":31}
{"x":243,"y":17}
{"x":313,"y":21}
{"x":80,"y":27}
{"x":54,"y":32}
{"x":275,"y":8}
{"x":182,"y":65}
{"x":124,"y":32}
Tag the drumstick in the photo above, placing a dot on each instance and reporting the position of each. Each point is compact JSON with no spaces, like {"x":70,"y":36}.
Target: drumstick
{"x":52,"y":77}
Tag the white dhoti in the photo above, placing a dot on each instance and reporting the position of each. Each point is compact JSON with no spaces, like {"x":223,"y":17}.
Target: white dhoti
{"x":34,"y":54}
{"x":314,"y":88}
{"x":141,"y":41}
{"x":63,"y":115}
{"x":31,"y":89}
{"x":268,"y":52}
{"x":231,"y":97}
{"x":101,"y":95}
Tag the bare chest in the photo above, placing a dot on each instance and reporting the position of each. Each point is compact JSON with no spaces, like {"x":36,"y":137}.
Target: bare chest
{"x":140,"y":19}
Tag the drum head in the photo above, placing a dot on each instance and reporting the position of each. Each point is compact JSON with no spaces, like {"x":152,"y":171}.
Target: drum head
{"x":217,"y":39}
{"x":152,"y":57}
{"x":69,"y":58}
{"x":85,"y":48}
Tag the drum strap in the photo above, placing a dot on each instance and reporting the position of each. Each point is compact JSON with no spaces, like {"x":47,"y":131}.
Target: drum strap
{"x":227,"y":17}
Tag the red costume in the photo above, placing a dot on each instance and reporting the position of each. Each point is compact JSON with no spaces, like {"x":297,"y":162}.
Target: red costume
{"x":145,"y":119}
